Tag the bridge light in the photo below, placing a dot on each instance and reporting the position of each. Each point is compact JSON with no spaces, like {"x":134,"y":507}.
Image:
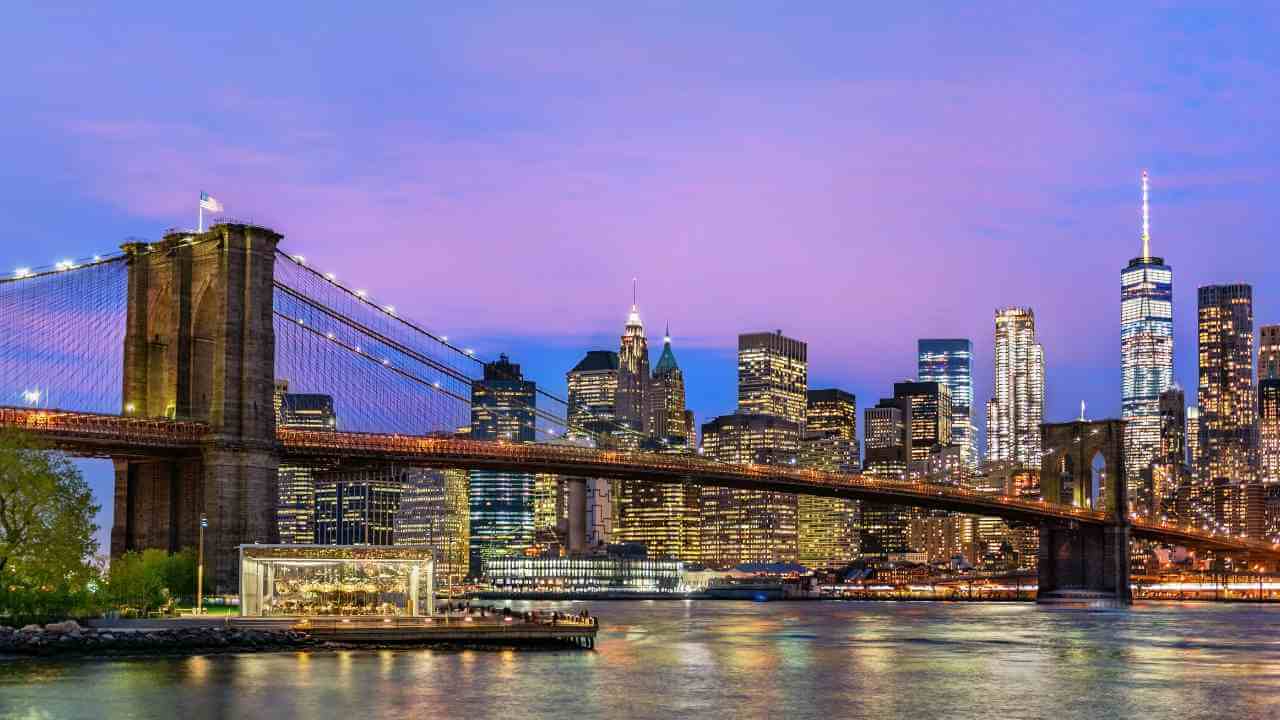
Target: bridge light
{"x":444,"y":338}
{"x":64,"y":265}
{"x":330,"y":277}
{"x":361,"y":294}
{"x":391,"y":309}
{"x":97,"y":258}
{"x":21,"y":273}
{"x":299,"y":259}
{"x":329,"y":335}
{"x":31,"y":397}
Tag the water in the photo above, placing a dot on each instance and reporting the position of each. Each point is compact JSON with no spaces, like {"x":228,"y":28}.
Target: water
{"x":729,"y":660}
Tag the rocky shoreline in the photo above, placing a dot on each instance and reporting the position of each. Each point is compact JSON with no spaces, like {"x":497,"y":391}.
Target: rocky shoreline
{"x":70,"y":638}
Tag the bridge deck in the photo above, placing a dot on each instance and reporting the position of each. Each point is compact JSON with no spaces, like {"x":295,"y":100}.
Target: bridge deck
{"x":113,"y":436}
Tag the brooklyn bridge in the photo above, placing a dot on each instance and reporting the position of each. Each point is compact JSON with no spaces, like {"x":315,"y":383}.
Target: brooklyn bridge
{"x":163,"y":358}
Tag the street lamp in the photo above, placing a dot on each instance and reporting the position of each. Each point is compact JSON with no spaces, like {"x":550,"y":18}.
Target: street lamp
{"x":204,"y":523}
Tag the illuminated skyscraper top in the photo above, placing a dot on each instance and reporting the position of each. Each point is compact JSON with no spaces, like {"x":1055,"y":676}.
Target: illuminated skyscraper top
{"x":1146,"y":353}
{"x":1015,"y":412}
{"x":633,"y":371}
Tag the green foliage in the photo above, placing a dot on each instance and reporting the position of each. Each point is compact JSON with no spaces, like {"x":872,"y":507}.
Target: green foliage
{"x":143,"y":582}
{"x":46,"y":533}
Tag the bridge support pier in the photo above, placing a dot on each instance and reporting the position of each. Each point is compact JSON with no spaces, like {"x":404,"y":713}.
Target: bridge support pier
{"x":1084,"y":566}
{"x":200,"y":345}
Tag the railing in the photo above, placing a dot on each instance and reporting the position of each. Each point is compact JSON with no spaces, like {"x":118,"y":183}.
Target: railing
{"x":104,"y":429}
{"x":76,"y":430}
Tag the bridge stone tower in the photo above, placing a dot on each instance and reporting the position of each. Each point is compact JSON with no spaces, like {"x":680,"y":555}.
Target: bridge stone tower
{"x":1084,"y":466}
{"x":200,"y":345}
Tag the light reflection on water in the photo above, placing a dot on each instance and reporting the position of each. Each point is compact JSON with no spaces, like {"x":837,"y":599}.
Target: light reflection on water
{"x":732,"y":660}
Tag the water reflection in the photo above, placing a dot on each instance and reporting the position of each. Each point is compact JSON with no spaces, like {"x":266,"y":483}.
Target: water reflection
{"x":739,"y":660}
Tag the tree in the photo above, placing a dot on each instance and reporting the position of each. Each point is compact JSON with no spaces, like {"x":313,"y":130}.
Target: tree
{"x":46,"y":531}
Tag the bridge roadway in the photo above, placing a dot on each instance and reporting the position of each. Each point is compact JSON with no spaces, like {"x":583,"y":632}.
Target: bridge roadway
{"x":97,"y":435}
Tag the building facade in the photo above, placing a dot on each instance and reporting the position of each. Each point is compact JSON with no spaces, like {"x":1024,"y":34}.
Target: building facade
{"x":1269,"y":430}
{"x":633,"y":375}
{"x":949,"y":361}
{"x":296,"y":482}
{"x":433,"y":513}
{"x":828,"y":530}
{"x":666,"y":399}
{"x":1016,"y":411}
{"x":1268,"y":352}
{"x":1146,"y":358}
{"x":358,"y":507}
{"x":930,"y":424}
{"x":773,"y":376}
{"x":1228,"y":405}
{"x":500,"y":512}
{"x":748,"y":526}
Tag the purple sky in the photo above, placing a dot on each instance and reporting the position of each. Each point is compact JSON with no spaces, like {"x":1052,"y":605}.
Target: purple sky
{"x":859,"y":177}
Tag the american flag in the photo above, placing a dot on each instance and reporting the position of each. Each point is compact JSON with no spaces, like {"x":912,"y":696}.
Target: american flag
{"x":208,"y":202}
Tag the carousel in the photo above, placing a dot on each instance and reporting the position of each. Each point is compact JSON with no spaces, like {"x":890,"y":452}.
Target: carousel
{"x":319,"y":580}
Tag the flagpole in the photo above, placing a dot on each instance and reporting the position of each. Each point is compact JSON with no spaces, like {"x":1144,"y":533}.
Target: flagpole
{"x":200,"y":222}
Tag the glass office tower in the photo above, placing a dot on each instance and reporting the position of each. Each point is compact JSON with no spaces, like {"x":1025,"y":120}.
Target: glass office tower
{"x":501,"y":503}
{"x":1146,"y":358}
{"x":949,"y":361}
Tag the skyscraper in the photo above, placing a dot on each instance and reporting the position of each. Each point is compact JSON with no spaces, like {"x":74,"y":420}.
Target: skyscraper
{"x":1268,"y":352}
{"x":931,"y":414}
{"x":748,"y":526}
{"x":1269,"y":430}
{"x":296,"y":483}
{"x":1228,"y":405}
{"x":827,"y":528}
{"x":501,"y":503}
{"x":593,"y":397}
{"x":1146,"y":357}
{"x":664,"y":517}
{"x":773,"y":376}
{"x":887,"y":435}
{"x":666,"y":399}
{"x":433,"y":511}
{"x":950,"y":362}
{"x":633,"y":374}
{"x":358,"y":507}
{"x":1015,"y":413}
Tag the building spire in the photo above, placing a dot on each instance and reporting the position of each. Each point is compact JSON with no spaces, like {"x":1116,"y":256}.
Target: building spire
{"x":633,"y":318}
{"x":666,"y":334}
{"x":1146,"y":220}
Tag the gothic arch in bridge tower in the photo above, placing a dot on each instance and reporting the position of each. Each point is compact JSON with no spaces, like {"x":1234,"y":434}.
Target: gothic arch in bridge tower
{"x":1084,"y":467}
{"x":204,"y":332}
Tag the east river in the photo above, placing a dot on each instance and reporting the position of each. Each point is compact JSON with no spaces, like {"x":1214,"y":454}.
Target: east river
{"x":728,"y":660}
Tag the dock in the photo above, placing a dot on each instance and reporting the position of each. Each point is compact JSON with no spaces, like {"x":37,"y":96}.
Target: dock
{"x":494,"y":630}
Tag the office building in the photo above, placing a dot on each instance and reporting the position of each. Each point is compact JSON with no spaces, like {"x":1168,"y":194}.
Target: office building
{"x":1016,"y":411}
{"x":949,"y":361}
{"x":433,"y":513}
{"x":500,"y":512}
{"x":1146,"y":357}
{"x":748,"y":526}
{"x":930,"y":424}
{"x":887,"y":436}
{"x":1268,"y":352}
{"x":593,"y":398}
{"x":1228,"y":403}
{"x":296,"y":483}
{"x":358,"y":507}
{"x":666,"y":399}
{"x":1269,"y":430}
{"x":633,"y":375}
{"x":828,"y":528}
{"x":773,"y":376}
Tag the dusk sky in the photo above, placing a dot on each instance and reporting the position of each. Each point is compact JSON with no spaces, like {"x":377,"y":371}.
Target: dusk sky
{"x":857,"y":176}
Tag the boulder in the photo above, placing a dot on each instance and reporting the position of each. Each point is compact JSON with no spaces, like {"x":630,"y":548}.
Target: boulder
{"x":66,"y":626}
{"x":31,"y":629}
